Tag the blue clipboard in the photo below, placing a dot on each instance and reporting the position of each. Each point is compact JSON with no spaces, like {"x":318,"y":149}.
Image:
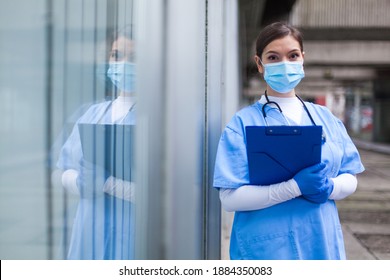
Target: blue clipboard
{"x":277,"y":153}
{"x":110,"y":146}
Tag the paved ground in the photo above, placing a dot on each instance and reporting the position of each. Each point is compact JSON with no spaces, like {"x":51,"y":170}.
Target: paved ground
{"x":365,"y":215}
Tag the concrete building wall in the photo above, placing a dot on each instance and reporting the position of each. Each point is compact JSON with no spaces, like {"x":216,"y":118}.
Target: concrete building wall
{"x":341,"y":13}
{"x":348,"y":43}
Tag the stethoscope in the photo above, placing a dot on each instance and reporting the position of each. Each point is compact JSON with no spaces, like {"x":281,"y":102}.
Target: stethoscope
{"x":281,"y":112}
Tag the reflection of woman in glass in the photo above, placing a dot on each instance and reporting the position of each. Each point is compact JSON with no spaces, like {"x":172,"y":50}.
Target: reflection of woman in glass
{"x":103,"y":226}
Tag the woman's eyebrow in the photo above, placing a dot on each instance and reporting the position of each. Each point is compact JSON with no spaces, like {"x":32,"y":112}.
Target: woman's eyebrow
{"x":294,"y":50}
{"x":271,"y":52}
{"x":275,"y":52}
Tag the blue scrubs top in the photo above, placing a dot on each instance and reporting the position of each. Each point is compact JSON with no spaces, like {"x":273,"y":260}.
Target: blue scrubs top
{"x":295,"y":229}
{"x":104,"y":225}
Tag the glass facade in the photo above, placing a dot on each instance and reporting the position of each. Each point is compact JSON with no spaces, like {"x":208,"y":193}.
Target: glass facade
{"x":24,"y":133}
{"x":173,"y":73}
{"x":55,"y":56}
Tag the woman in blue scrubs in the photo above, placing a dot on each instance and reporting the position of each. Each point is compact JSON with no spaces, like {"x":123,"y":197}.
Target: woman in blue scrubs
{"x":297,"y":218}
{"x":104,"y":225}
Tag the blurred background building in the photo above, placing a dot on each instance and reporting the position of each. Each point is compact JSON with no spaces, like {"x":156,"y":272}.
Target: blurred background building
{"x":347,"y":58}
{"x":195,"y":68}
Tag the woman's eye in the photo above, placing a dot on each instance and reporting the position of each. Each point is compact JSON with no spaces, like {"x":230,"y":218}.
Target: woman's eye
{"x":272,"y":57}
{"x":294,"y":56}
{"x":116,"y":55}
{"x":113,"y":55}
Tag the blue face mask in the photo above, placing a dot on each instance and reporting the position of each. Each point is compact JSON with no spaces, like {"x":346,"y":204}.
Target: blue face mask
{"x":283,"y":76}
{"x":122,"y":75}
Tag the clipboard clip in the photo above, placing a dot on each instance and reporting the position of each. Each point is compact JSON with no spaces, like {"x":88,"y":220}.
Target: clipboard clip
{"x":283,"y":130}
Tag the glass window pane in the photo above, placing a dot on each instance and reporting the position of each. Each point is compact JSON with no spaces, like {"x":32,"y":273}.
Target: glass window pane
{"x":93,"y":157}
{"x":104,"y":108}
{"x":68,"y":89}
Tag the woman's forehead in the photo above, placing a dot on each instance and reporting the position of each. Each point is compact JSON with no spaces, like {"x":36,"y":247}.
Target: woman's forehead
{"x":284,"y":44}
{"x":122,"y":43}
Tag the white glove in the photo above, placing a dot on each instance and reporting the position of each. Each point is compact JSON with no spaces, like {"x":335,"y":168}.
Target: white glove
{"x":119,"y":188}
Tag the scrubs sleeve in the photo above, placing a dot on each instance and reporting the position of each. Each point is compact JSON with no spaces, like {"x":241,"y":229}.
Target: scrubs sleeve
{"x":231,"y":166}
{"x":351,"y":162}
{"x":71,"y":152}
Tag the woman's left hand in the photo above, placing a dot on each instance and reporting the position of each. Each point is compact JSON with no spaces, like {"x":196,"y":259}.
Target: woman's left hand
{"x":323,"y":193}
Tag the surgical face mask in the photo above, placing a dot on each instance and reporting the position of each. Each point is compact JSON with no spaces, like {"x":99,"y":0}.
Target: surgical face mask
{"x":283,"y":76}
{"x":122,"y":75}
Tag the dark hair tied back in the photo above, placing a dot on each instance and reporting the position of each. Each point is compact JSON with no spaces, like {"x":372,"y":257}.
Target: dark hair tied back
{"x":274,"y":31}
